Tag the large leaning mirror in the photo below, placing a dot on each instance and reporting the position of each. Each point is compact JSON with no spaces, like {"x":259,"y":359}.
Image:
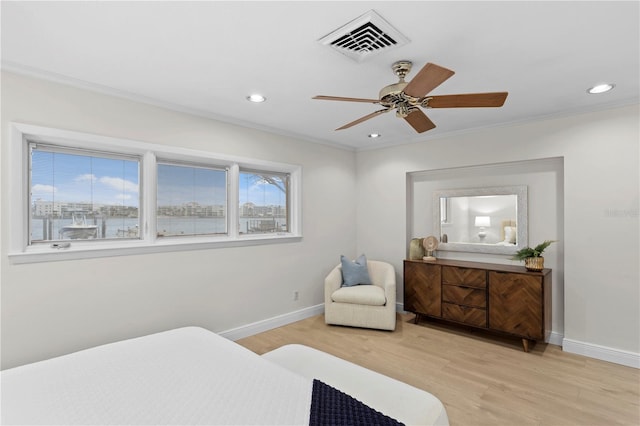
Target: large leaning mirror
{"x":482,"y":220}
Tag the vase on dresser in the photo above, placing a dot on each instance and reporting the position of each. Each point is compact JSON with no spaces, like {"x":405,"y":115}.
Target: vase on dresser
{"x":534,"y":263}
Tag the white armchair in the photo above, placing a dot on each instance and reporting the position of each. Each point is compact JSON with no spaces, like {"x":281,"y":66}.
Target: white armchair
{"x":367,"y":306}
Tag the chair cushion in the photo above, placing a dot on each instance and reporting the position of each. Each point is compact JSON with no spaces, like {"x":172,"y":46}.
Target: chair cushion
{"x":371,"y":295}
{"x":356,"y":272}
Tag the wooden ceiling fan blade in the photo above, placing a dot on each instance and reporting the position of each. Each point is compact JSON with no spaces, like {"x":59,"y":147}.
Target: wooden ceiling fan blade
{"x":469,"y":100}
{"x":419,"y":121}
{"x":365,"y":118}
{"x":427,"y":79}
{"x":339,"y":98}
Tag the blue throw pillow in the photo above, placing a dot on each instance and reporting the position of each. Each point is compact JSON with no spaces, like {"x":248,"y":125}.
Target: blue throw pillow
{"x":354,"y":273}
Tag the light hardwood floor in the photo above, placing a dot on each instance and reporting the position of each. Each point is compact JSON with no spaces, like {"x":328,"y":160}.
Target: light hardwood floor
{"x":481,"y":379}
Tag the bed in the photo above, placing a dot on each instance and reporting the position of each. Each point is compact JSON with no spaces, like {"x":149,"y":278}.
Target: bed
{"x":186,"y":376}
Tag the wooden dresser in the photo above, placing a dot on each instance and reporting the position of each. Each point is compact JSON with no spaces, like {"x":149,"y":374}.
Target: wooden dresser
{"x":500,"y":298}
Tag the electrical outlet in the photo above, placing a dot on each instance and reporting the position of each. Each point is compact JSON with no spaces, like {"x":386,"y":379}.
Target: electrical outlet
{"x":296,"y":296}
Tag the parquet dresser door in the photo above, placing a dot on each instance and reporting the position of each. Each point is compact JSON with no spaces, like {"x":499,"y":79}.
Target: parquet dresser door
{"x":515,"y":304}
{"x":422,"y":288}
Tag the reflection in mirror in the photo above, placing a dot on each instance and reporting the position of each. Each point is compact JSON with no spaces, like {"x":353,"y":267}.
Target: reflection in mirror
{"x":484,"y":219}
{"x":488,"y":220}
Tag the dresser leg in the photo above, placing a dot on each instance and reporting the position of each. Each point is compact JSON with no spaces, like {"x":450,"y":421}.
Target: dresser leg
{"x":416,"y":319}
{"x":525,"y":345}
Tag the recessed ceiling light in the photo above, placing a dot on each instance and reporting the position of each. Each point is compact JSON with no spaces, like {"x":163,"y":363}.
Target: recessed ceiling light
{"x":256,"y":98}
{"x":601,"y":88}
{"x":374,"y":135}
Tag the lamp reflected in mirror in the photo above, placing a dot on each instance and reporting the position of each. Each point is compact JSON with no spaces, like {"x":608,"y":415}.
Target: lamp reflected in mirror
{"x":482,"y":222}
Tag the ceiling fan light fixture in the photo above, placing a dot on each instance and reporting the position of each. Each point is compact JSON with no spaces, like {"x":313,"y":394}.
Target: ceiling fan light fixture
{"x":601,"y":88}
{"x":256,"y":98}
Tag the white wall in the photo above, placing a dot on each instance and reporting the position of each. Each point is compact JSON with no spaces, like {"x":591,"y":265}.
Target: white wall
{"x":601,"y":231}
{"x":53,"y":308}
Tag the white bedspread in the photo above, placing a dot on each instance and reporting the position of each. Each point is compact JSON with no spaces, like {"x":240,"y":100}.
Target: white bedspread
{"x":183,"y":376}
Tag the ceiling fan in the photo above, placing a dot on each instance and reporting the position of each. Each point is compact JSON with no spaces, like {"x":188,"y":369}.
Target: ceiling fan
{"x":407,"y":98}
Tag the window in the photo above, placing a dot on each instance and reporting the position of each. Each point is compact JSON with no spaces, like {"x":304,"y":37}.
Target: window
{"x":76,"y":195}
{"x":192,"y":200}
{"x":81,"y":195}
{"x":263,"y":202}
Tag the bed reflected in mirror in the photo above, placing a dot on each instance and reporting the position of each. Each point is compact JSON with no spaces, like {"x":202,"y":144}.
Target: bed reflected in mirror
{"x":485,"y":220}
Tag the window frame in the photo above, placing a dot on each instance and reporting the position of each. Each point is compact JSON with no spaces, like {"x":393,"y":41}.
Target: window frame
{"x":193,"y":164}
{"x":287,"y":195}
{"x":44,"y":147}
{"x":151,"y":154}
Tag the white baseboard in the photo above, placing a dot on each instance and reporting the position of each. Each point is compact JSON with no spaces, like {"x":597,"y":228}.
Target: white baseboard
{"x":604,"y":353}
{"x":271,"y":323}
{"x":555,"y":338}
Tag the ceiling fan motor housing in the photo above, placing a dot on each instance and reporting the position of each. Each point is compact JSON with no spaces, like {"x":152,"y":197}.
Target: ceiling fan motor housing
{"x":401,"y":69}
{"x":393,"y":96}
{"x":390,"y":94}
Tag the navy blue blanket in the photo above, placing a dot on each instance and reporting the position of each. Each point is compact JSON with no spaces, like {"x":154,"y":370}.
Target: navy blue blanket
{"x":331,"y":407}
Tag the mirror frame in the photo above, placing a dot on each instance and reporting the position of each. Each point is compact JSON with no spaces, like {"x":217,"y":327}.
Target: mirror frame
{"x":521,"y":218}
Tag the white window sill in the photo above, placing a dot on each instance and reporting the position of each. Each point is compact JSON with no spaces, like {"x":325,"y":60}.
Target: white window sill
{"x":90,"y":250}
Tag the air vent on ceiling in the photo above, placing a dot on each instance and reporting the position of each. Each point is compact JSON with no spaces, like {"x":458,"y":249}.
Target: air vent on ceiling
{"x":367,"y":35}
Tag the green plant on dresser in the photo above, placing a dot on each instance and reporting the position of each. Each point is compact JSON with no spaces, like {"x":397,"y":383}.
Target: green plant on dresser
{"x":532,"y":257}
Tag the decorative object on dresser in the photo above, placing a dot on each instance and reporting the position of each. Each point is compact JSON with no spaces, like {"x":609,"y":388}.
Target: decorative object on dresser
{"x":416,"y":250}
{"x":504,"y":299}
{"x":532,"y":257}
{"x":430,"y":245}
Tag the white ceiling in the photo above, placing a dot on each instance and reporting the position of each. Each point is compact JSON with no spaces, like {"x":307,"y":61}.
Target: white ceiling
{"x":206,"y":57}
